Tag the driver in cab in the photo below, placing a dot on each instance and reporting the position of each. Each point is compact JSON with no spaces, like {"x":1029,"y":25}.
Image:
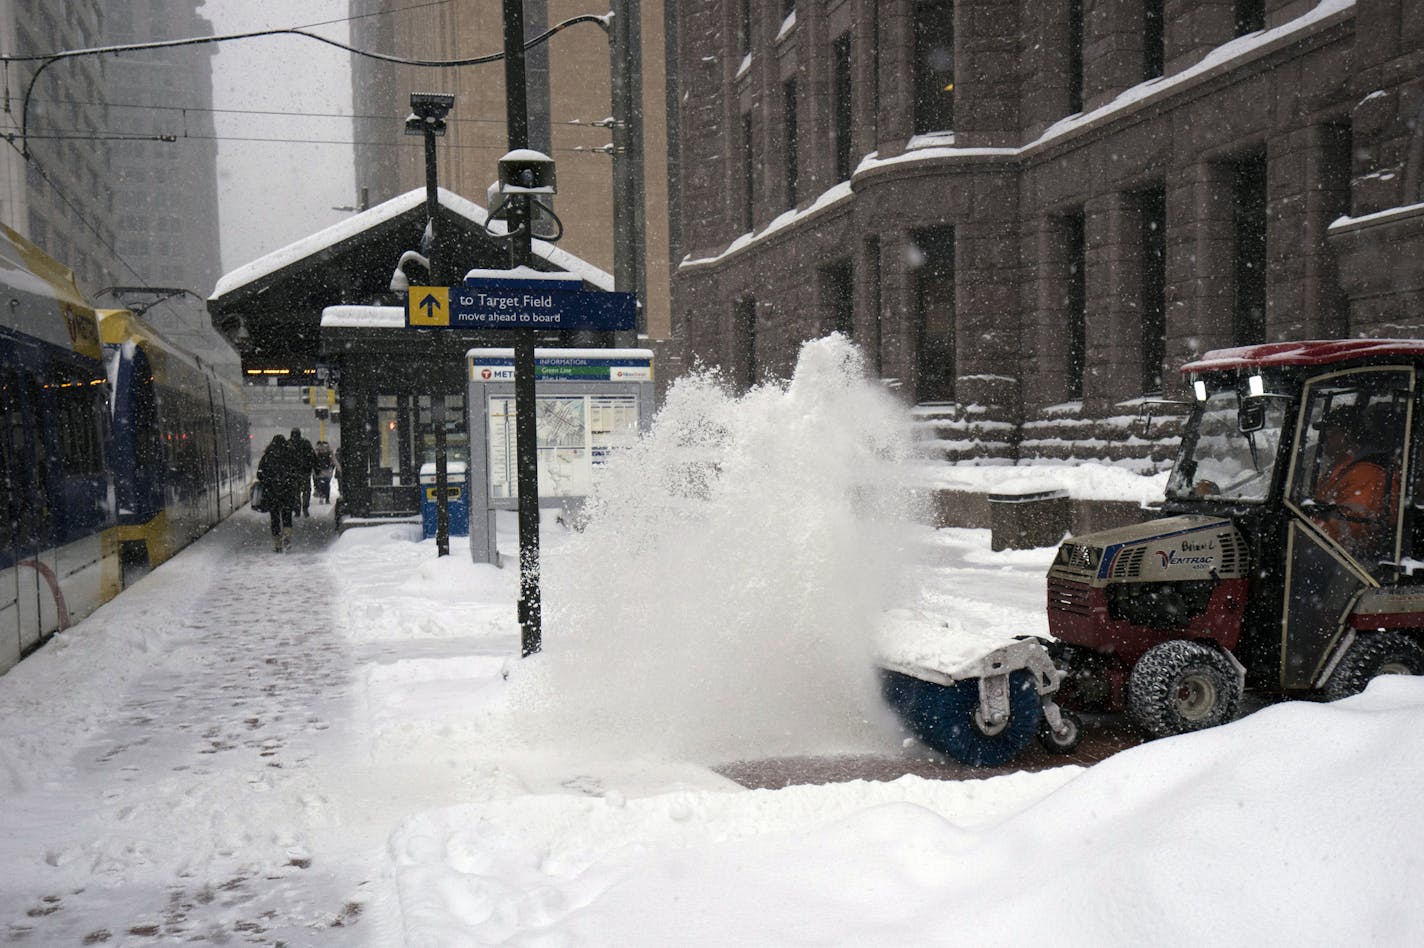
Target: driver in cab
{"x":1353,"y":492}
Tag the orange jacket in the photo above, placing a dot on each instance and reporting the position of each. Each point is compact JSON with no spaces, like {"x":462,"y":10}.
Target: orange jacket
{"x":1358,"y":491}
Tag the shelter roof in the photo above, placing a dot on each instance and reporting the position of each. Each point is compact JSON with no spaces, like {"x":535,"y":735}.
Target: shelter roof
{"x":270,"y":309}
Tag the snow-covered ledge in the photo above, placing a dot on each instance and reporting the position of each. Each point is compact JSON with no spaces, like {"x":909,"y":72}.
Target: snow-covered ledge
{"x":1381,"y":253}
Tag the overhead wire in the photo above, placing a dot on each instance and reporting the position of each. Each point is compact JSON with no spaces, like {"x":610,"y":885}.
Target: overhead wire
{"x":48,"y":59}
{"x":572,"y":123}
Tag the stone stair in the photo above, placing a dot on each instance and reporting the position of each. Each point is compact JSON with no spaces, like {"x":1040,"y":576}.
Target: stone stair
{"x":950,"y":431}
{"x":1141,"y":434}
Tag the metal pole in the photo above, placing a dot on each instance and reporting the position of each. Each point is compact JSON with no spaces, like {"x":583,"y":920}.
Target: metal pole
{"x":525,"y":421}
{"x":432,"y":205}
{"x":437,"y":399}
{"x":442,"y":476}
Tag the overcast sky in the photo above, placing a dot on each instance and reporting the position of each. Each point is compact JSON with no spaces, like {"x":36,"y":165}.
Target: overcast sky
{"x":276,"y":182}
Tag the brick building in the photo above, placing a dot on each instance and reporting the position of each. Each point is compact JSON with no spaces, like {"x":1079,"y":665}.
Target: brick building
{"x":1031,"y":214}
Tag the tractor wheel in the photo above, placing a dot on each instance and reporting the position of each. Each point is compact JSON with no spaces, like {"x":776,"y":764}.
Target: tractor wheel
{"x":1182,"y":686}
{"x":1373,"y":654}
{"x":945,"y":718}
{"x":1065,"y":743}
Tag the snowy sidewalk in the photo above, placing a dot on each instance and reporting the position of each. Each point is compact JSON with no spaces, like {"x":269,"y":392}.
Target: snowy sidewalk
{"x":340,"y":746}
{"x":200,"y":803}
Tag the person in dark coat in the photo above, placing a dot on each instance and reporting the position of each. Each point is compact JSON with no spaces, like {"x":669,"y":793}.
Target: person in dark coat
{"x":276,"y":472}
{"x":323,"y":471}
{"x":303,"y":466}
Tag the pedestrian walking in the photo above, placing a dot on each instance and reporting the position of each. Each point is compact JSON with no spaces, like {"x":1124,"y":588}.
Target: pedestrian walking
{"x":323,"y":470}
{"x":276,"y":472}
{"x":303,"y":466}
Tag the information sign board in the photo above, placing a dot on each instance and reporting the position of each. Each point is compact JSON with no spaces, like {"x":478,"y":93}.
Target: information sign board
{"x":519,"y":303}
{"x":589,"y":404}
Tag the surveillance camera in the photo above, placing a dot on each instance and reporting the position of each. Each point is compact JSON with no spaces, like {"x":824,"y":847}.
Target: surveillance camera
{"x":525,"y":171}
{"x":431,"y":104}
{"x":427,"y":113}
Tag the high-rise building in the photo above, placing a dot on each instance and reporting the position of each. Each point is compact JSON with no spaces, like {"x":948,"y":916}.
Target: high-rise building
{"x":112,"y":167}
{"x":55,"y":167}
{"x":165,"y":191}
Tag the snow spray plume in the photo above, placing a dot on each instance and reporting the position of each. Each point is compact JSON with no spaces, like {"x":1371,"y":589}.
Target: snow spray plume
{"x":719,"y":601}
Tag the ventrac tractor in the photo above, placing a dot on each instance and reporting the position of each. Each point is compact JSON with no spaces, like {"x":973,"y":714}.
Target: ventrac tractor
{"x":1289,"y":559}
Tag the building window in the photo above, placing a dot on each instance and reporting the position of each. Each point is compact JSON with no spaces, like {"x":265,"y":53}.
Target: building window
{"x":1075,"y":56}
{"x":838,"y":297}
{"x":1152,"y":211}
{"x":1335,"y":177}
{"x":1075,"y":307}
{"x":788,"y":98}
{"x":932,"y":256}
{"x":1154,"y":40}
{"x":873,"y":11}
{"x":1250,"y":16}
{"x":748,"y":171}
{"x":1248,"y":204}
{"x":871,"y":261}
{"x":746,"y":341}
{"x":841,"y":104}
{"x":934,"y":66}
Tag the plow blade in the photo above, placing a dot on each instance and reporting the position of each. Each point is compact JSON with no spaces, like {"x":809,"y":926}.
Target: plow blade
{"x":983,"y":714}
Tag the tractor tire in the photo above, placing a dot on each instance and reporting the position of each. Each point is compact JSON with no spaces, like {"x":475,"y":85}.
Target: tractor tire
{"x":1061,"y":744}
{"x":944,"y":718}
{"x":1182,"y":686}
{"x":1373,"y":654}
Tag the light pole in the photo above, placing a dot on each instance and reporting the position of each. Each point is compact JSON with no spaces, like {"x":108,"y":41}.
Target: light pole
{"x":525,"y":423}
{"x":625,"y":60}
{"x":427,"y":118}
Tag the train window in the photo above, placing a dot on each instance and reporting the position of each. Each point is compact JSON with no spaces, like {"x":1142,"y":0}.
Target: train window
{"x":145,"y":416}
{"x":8,"y":470}
{"x":77,"y":418}
{"x":34,"y":505}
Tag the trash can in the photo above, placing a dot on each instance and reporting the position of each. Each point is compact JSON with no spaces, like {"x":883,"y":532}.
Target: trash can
{"x":1031,"y":519}
{"x":457,"y":499}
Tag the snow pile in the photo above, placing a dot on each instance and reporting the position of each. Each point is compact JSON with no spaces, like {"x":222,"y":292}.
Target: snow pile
{"x":1296,"y":825}
{"x":339,"y":746}
{"x":719,"y":601}
{"x":1082,"y":481}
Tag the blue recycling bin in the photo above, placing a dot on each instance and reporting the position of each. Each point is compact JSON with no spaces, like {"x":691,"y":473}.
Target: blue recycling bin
{"x":457,"y":502}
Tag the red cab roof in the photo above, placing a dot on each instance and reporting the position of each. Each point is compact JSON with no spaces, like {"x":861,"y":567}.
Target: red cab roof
{"x":1307,"y":353}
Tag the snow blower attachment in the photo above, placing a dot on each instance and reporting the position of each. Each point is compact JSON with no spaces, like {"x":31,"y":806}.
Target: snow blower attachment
{"x":985,"y":712}
{"x":1286,"y":560}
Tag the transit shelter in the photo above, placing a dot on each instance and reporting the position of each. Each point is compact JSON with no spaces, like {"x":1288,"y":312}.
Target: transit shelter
{"x":590,"y":403}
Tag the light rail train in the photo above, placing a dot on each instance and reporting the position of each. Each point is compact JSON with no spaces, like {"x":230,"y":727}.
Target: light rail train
{"x":116,"y":449}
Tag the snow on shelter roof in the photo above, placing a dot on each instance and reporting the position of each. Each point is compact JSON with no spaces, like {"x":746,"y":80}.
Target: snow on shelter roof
{"x":363,"y":317}
{"x":1310,"y":352}
{"x":352,"y":227}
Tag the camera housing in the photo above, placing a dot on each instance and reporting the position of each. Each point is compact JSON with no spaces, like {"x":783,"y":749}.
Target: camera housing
{"x":427,"y":113}
{"x":526,"y":171}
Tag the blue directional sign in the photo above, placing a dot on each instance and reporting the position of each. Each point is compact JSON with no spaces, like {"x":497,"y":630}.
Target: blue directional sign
{"x":519,"y":303}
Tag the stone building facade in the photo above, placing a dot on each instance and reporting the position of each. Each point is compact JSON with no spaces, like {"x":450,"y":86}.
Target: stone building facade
{"x":1031,"y":214}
